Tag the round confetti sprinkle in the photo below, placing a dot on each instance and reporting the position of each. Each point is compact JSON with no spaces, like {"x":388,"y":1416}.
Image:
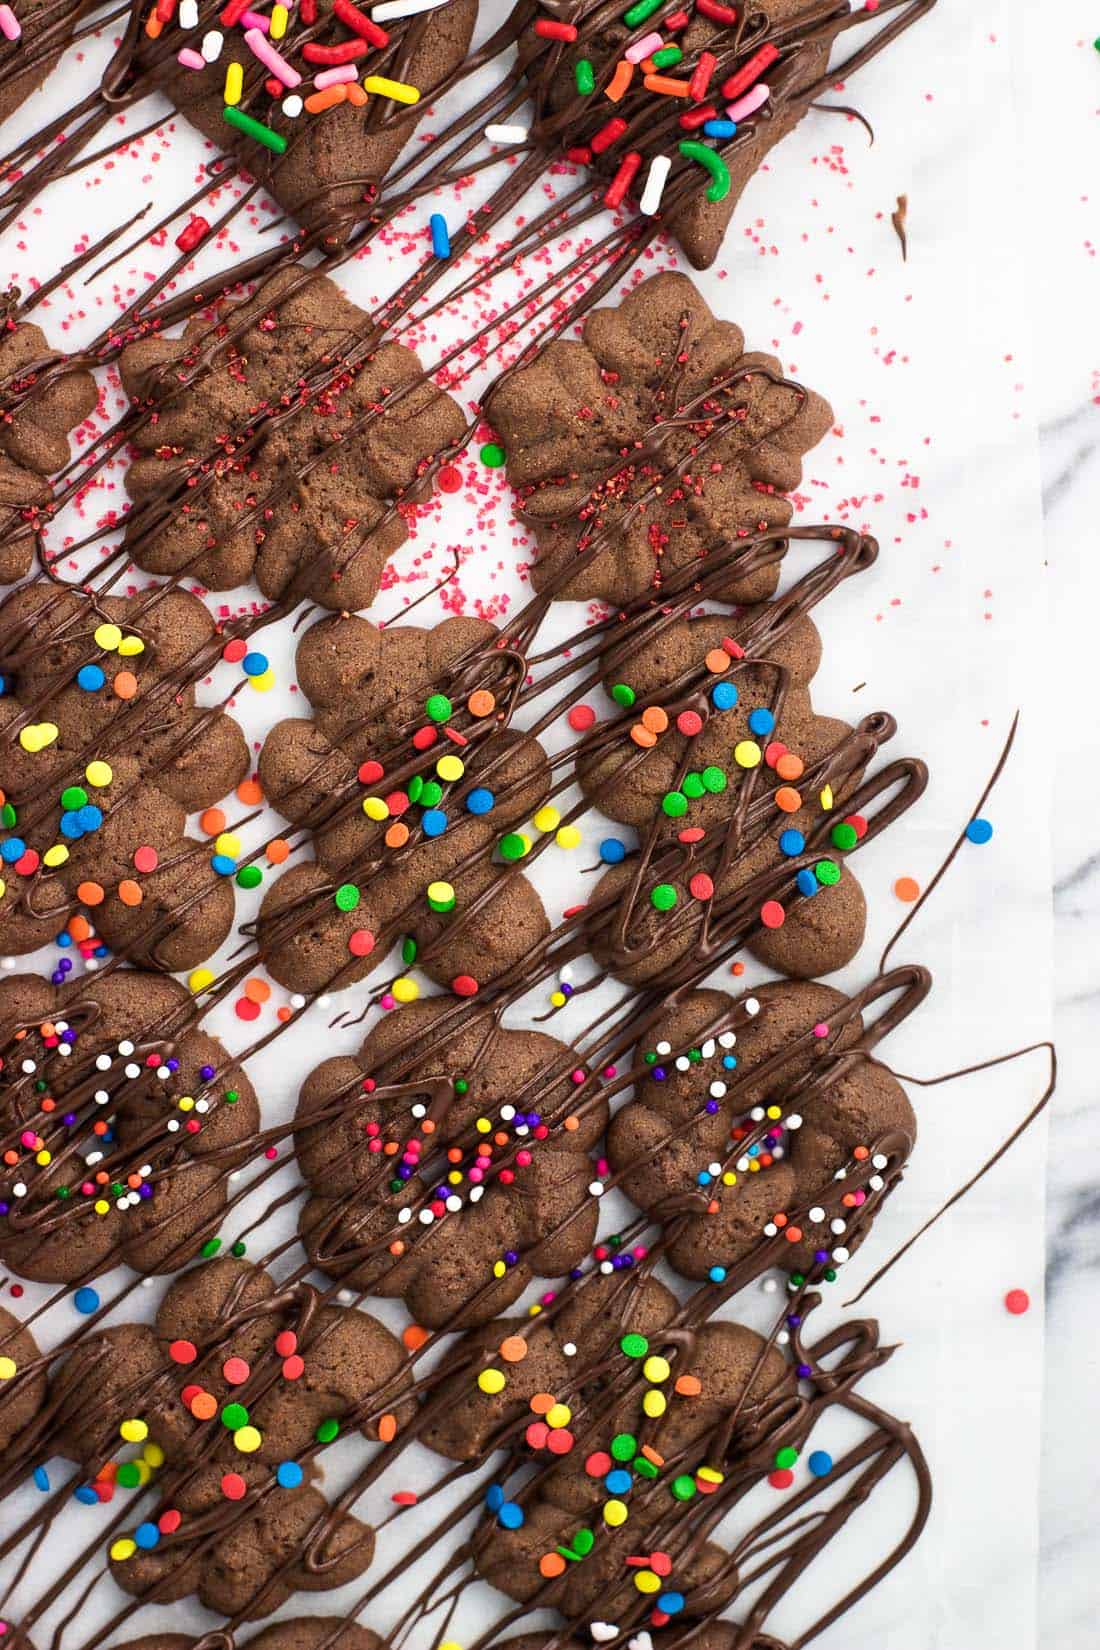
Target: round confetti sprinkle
{"x":492,"y":455}
{"x":772,"y":914}
{"x":234,"y":1487}
{"x":288,"y":1474}
{"x":361,"y":942}
{"x":581,"y":718}
{"x":979,"y":831}
{"x":820,"y":1463}
{"x":86,"y":1300}
{"x":907,"y":889}
{"x":1017,"y":1301}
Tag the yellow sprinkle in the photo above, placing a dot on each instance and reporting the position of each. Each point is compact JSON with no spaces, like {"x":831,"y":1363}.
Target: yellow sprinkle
{"x":654,"y":1403}
{"x":263,"y":683}
{"x":754,"y":1167}
{"x":492,"y":1380}
{"x":100,"y":1207}
{"x":98,"y":773}
{"x":568,"y":837}
{"x":153,"y":1455}
{"x":234,"y":83}
{"x":710,"y":1475}
{"x":375,"y":808}
{"x":747,"y":754}
{"x":107,"y":636}
{"x":279,"y":18}
{"x":450,"y":767}
{"x":483,"y":1125}
{"x":227,"y":844}
{"x":405,"y":990}
{"x":547,"y":819}
{"x":774,"y":1112}
{"x":729,"y":1178}
{"x":454,"y":1178}
{"x":647,"y":1582}
{"x":186,"y":1103}
{"x":656,"y":1369}
{"x":200,"y":978}
{"x":3,"y":887}
{"x":57,"y":855}
{"x":440,"y":893}
{"x":37,"y":736}
{"x":134,"y":1432}
{"x":826,"y":798}
{"x":42,"y":1158}
{"x":247,"y":1440}
{"x":144,"y":1472}
{"x":8,"y":1367}
{"x":558,"y":998}
{"x":533,"y":1311}
{"x":559,"y":1415}
{"x":381,"y":87}
{"x":499,"y":1269}
{"x":125,"y":1548}
{"x":131,"y":646}
{"x":614,"y":1513}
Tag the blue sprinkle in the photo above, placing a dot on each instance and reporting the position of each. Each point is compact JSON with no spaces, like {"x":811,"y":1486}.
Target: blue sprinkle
{"x":3,"y":685}
{"x":494,"y":1498}
{"x":806,"y":883}
{"x":703,"y":1178}
{"x":820,"y":1463}
{"x":85,"y":1494}
{"x":618,"y":1481}
{"x":11,"y":850}
{"x":223,"y":865}
{"x":723,"y":696}
{"x":63,"y":939}
{"x":288,"y":1474}
{"x":612,"y":851}
{"x":71,"y":826}
{"x":89,"y":817}
{"x":147,"y":1535}
{"x":480,"y":800}
{"x":510,"y":1516}
{"x":86,"y":1301}
{"x":433,"y":822}
{"x":670,"y":1603}
{"x":729,"y":1061}
{"x":90,"y":678}
{"x":41,"y":1478}
{"x":716,"y":1274}
{"x":791,"y":843}
{"x":761,"y":720}
{"x":979,"y":831}
{"x":254,"y":664}
{"x":441,"y":240}
{"x":719,"y":128}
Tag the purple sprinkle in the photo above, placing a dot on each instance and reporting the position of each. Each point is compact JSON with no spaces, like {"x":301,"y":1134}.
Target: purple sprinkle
{"x":575,"y":1272}
{"x":68,"y":1037}
{"x":57,"y":978}
{"x":510,"y":1257}
{"x":173,"y":1065}
{"x":69,"y":1119}
{"x":145,"y":1190}
{"x":3,"y":1208}
{"x":659,"y":1073}
{"x":566,"y":990}
{"x":206,"y":1073}
{"x":65,"y":965}
{"x":403,"y":1171}
{"x":793,"y":1319}
{"x":712,"y":1107}
{"x":534,"y":1118}
{"x":628,"y":1262}
{"x":821,"y":1256}
{"x":804,"y":1372}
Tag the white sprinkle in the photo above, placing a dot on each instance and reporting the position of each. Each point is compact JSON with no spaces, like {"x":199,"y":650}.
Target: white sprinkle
{"x":132,"y":1070}
{"x":292,"y":108}
{"x":189,"y":14}
{"x":742,"y":1165}
{"x":419,"y":1111}
{"x":777,"y":1154}
{"x":879,"y":1161}
{"x":28,"y":1066}
{"x":388,"y":10}
{"x":173,"y":1125}
{"x":569,"y":1350}
{"x":61,"y":1025}
{"x":122,"y":1203}
{"x":404,"y":1216}
{"x":752,"y":1007}
{"x":659,"y":168}
{"x":683,"y":1063}
{"x":94,"y":1157}
{"x":103,"y":1062}
{"x":344,"y":1296}
{"x":145,"y":1170}
{"x":770,"y":1229}
{"x":837,"y":1226}
{"x":507,"y":1113}
{"x":596,"y":1188}
{"x":90,"y":966}
{"x":727,"y":1039}
{"x":606,"y":1268}
{"x":147,"y":1283}
{"x":876,"y":1183}
{"x":324,"y":1000}
{"x":202,"y":1105}
{"x":714,"y":1168}
{"x":817,"y":1214}
{"x":19,"y":1189}
{"x":297,"y":1001}
{"x":453,"y":1204}
{"x":707,"y":1049}
{"x":212,"y":43}
{"x":664,"y":1048}
{"x":840,"y":1255}
{"x":716,"y":1090}
{"x":64,"y":1050}
{"x":163,"y":1073}
{"x":126,"y":1048}
{"x":769,"y":1286}
{"x":757,"y":1114}
{"x":426,"y":1217}
{"x":794,"y":1121}
{"x":477,"y":1193}
{"x":101,"y":1097}
{"x":506,"y":134}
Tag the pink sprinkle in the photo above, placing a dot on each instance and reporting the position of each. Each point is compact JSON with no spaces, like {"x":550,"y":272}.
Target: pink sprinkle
{"x":549,"y":1298}
{"x":270,"y":58}
{"x":11,"y":28}
{"x":389,"y":1001}
{"x":476,"y":1175}
{"x":748,"y":104}
{"x":271,"y":1153}
{"x":610,"y":1071}
{"x":339,"y":76}
{"x":191,"y":59}
{"x":643,"y":48}
{"x":602,"y":1167}
{"x":821,"y":1029}
{"x":640,"y":1251}
{"x":254,"y":20}
{"x":578,"y":1076}
{"x":28,"y":1137}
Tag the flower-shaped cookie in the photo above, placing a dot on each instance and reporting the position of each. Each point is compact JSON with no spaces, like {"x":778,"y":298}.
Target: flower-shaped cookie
{"x":411,"y":785}
{"x":281,"y":446}
{"x":447,"y":1164}
{"x":121,"y":1121}
{"x":651,"y":443}
{"x":41,"y":407}
{"x":105,"y":753}
{"x":236,"y":1387}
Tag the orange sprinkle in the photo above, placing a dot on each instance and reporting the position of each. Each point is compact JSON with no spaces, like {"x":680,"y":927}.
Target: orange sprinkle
{"x":212,"y":821}
{"x":907,"y":888}
{"x":328,"y":99}
{"x":129,"y":892}
{"x":787,"y":799}
{"x":414,"y":1336}
{"x":79,"y":928}
{"x":663,"y":84}
{"x":11,"y":1157}
{"x":387,"y":1427}
{"x":277,"y":850}
{"x":47,"y":1104}
{"x":125,"y":684}
{"x":717,"y":661}
{"x":204,"y":1406}
{"x":133,"y":1181}
{"x":541,"y":1402}
{"x":397,"y":834}
{"x":154,"y":28}
{"x":642,"y":736}
{"x":397,"y":1248}
{"x":737,"y":968}
{"x":390,"y":1148}
{"x":779,"y":1220}
{"x":793,"y":1234}
{"x":481,"y":702}
{"x":256,"y":990}
{"x":454,"y":1155}
{"x":861,"y":1153}
{"x":572,"y":1123}
{"x":713,"y":1206}
{"x":513,"y":1349}
{"x":551,"y":1565}
{"x":620,"y":80}
{"x":89,"y":893}
{"x":427,"y":1126}
{"x":250,"y":792}
{"x":283,"y":1013}
{"x":651,"y":1455}
{"x":790,"y":766}
{"x":3,"y":798}
{"x":655,"y":719}
{"x":689,"y":1386}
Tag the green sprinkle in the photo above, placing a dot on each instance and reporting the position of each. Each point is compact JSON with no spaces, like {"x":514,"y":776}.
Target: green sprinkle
{"x":650,"y":1058}
{"x":327,"y":1431}
{"x":416,"y":786}
{"x":8,"y":815}
{"x":640,"y":11}
{"x":234,"y":1416}
{"x":431,"y":793}
{"x":711,"y":162}
{"x":512,"y":846}
{"x":692,"y":786}
{"x":796,"y":1280}
{"x":408,"y":950}
{"x":843,"y":836}
{"x":683,"y":1487}
{"x":785,"y":1457}
{"x":210,"y":1247}
{"x":72,"y":797}
{"x":829,"y":1274}
{"x":237,"y":1249}
{"x":231,"y":1097}
{"x":663,"y":897}
{"x":714,"y":780}
{"x":695,"y":1054}
{"x":249,"y":876}
{"x":461,"y":1086}
{"x":667,"y":57}
{"x":254,"y":129}
{"x":583,"y":1542}
{"x":492,"y":455}
{"x":347,"y":897}
{"x":624,"y":1446}
{"x":128,"y":1475}
{"x":63,"y":1191}
{"x":584,"y":77}
{"x":634,"y":1346}
{"x":674,"y":804}
{"x":827,"y":871}
{"x":623,"y":695}
{"x":438,"y":707}
{"x":644,"y":1467}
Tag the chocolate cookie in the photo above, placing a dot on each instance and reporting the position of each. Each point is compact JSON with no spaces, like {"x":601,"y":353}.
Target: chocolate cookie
{"x":410,"y":784}
{"x":447,"y":1164}
{"x":105,"y":755}
{"x":752,"y":1108}
{"x":281,"y":444}
{"x":22,"y":1381}
{"x":299,"y":1633}
{"x":322,"y":150}
{"x":652,"y":442}
{"x":235,"y":1398}
{"x":34,"y":437}
{"x":121,"y":1119}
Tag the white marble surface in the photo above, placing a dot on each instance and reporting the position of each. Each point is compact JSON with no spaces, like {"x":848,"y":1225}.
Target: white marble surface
{"x":940,"y":384}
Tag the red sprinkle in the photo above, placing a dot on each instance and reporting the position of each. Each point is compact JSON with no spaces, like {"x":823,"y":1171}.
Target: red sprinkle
{"x":689,"y":723}
{"x":346,"y":52}
{"x":716,"y":12}
{"x":580,"y":154}
{"x":424,"y":738}
{"x":694,"y":118}
{"x":464,"y":985}
{"x":629,"y":168}
{"x":193,"y":233}
{"x":1017,"y":1301}
{"x":233,"y":12}
{"x":581,"y":718}
{"x":361,"y":942}
{"x":234,"y":1487}
{"x":182,"y":1352}
{"x":548,"y":29}
{"x":360,"y":23}
{"x":753,"y":69}
{"x":701,"y":886}
{"x":608,"y":134}
{"x":246,"y":1009}
{"x":404,"y":1498}
{"x":676,"y":20}
{"x":700,"y":78}
{"x":286,"y":1342}
{"x":781,"y":1479}
{"x":450,"y":479}
{"x":234,"y":651}
{"x":370,"y":772}
{"x":772,"y":914}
